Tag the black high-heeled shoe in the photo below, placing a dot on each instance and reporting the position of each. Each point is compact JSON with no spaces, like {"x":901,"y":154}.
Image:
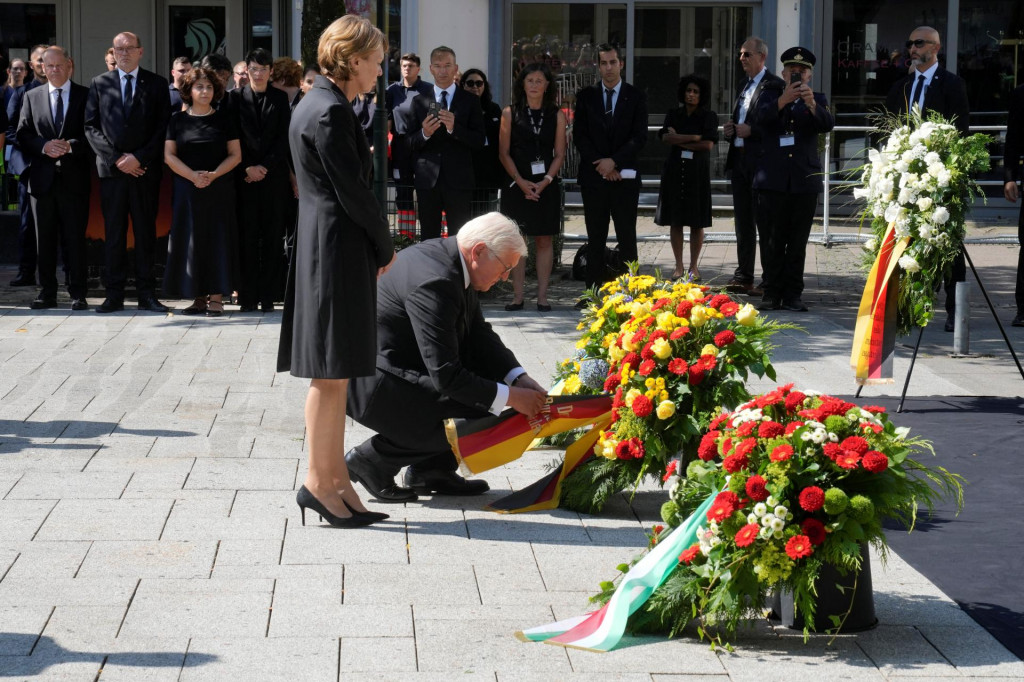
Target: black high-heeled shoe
{"x":306,"y":500}
{"x":376,"y":516}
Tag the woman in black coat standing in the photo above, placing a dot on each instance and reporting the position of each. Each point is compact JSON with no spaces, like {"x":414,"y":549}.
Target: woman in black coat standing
{"x":487,"y":172}
{"x":342,"y":244}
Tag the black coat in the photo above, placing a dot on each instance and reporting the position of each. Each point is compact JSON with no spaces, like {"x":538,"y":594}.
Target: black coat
{"x":341,"y":238}
{"x":1013,"y":156}
{"x":594,"y":139}
{"x":263,"y":135}
{"x":446,"y":158}
{"x":796,"y":168}
{"x":752,"y":143}
{"x":947,"y":95}
{"x":36,"y":128}
{"x":142,"y":135}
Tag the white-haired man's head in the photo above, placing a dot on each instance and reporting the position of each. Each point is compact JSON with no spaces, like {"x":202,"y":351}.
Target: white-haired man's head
{"x":491,"y":246}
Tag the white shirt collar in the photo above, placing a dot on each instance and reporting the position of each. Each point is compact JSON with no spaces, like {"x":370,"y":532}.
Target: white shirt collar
{"x":65,"y":89}
{"x":465,"y":269}
{"x":134,"y":74}
{"x":928,"y":73}
{"x":450,"y":90}
{"x":757,"y":79}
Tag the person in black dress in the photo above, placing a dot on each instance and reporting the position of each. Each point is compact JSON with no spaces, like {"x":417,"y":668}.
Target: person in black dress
{"x":531,"y":147}
{"x":342,"y":244}
{"x":486,"y":167}
{"x":202,"y":149}
{"x":691,"y":132}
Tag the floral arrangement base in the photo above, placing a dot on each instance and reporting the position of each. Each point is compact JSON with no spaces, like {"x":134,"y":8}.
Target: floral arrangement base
{"x":837,"y":594}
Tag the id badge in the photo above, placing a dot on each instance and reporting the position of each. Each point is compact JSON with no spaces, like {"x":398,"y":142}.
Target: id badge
{"x":398,"y":174}
{"x":687,"y":154}
{"x":787,"y":141}
{"x":537,"y":167}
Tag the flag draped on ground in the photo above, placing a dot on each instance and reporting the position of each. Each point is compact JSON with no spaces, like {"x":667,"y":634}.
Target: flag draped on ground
{"x":874,"y":339}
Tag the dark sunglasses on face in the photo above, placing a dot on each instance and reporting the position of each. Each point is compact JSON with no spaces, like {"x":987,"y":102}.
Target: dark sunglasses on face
{"x":474,"y":84}
{"x":920,"y":42}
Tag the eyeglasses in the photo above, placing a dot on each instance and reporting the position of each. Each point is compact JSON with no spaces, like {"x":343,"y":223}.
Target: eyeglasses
{"x":473,"y":84}
{"x":920,"y":42}
{"x":508,"y":268}
{"x":256,"y":71}
{"x":125,"y":50}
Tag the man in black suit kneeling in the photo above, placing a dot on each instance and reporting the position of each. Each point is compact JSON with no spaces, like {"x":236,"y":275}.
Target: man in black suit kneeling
{"x":437,"y":358}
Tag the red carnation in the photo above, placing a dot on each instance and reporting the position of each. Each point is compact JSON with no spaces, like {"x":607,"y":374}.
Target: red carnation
{"x":855,"y":443}
{"x":745,"y":429}
{"x":658,"y":334}
{"x":833,"y":406}
{"x":678,"y":366}
{"x":646,"y":353}
{"x":798,"y":547}
{"x":636,"y":448}
{"x":708,"y":448}
{"x":696,"y":375}
{"x":612,"y":382}
{"x":875,"y":462}
{"x":717,"y":421}
{"x":632,"y":359}
{"x":848,"y":459}
{"x":874,"y":409}
{"x":670,"y":470}
{"x":684,"y":308}
{"x":646,"y":367}
{"x":814,"y":530}
{"x":729,"y":309}
{"x":661,"y":303}
{"x":793,"y":426}
{"x":832,"y":450}
{"x":745,"y":447}
{"x":747,"y":534}
{"x":718,"y":300}
{"x":735,"y":462}
{"x":781,"y":453}
{"x":756,"y":488}
{"x":794,"y":400}
{"x":679,"y":332}
{"x":690,"y":553}
{"x":642,"y":406}
{"x":770,"y":430}
{"x":812,"y":498}
{"x":622,"y":450}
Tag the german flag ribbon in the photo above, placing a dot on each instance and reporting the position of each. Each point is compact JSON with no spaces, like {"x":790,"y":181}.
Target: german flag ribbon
{"x":874,"y":338}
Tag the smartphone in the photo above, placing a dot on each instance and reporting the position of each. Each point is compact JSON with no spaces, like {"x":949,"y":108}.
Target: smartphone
{"x":434,"y":109}
{"x":795,"y":77}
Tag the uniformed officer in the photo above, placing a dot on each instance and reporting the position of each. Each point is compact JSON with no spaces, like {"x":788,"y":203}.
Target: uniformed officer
{"x":788,"y":175}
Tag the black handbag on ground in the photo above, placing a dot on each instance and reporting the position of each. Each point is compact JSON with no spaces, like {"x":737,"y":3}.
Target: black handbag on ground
{"x":613,"y":263}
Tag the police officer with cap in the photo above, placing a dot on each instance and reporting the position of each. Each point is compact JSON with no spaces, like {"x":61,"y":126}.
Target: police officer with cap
{"x":788,"y":176}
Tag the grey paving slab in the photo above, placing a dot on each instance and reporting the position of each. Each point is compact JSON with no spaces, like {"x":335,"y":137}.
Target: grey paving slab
{"x":219,"y":658}
{"x":972,"y":650}
{"x":377,"y":654}
{"x":901,"y":651}
{"x":207,"y":517}
{"x":80,"y":627}
{"x":579,"y":567}
{"x":50,"y":666}
{"x":474,"y":645}
{"x":21,"y":519}
{"x":20,"y":627}
{"x":106,"y":520}
{"x":242,"y":474}
{"x":148,"y":559}
{"x":142,"y":660}
{"x":20,"y":457}
{"x":789,"y":660}
{"x":70,"y":485}
{"x":48,"y":591}
{"x":214,"y":607}
{"x":52,"y":559}
{"x":380,"y":544}
{"x":404,"y":584}
{"x":654,"y":654}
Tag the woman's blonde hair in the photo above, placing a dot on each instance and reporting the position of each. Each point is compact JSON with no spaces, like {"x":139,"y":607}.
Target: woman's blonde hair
{"x":347,"y":38}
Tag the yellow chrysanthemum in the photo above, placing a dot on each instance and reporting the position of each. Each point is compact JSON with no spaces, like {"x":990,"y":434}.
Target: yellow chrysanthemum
{"x":662,"y":349}
{"x":572,"y":383}
{"x":598,"y":323}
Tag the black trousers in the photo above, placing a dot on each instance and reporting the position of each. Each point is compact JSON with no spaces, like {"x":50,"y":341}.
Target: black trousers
{"x":456,"y":203}
{"x":1019,"y":291}
{"x":786,"y":221}
{"x":27,"y":247}
{"x":745,"y":217}
{"x":261,"y":229}
{"x":123,"y":196}
{"x":611,"y":201}
{"x":61,"y":218}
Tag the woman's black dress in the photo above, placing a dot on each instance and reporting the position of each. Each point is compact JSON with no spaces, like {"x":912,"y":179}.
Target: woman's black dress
{"x":487,"y":171}
{"x":202,"y":247}
{"x":685,"y":195}
{"x":533,"y":138}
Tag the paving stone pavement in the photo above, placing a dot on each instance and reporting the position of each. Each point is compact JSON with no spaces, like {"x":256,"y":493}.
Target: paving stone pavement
{"x":148,"y":529}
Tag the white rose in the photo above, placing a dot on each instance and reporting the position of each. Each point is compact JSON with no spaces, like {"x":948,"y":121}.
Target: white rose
{"x":892,"y":212}
{"x":909,"y":264}
{"x":924,"y":231}
{"x":940,"y":216}
{"x":871,"y":244}
{"x":943,"y":177}
{"x":924,"y":203}
{"x":932,"y":157}
{"x":861,"y":192}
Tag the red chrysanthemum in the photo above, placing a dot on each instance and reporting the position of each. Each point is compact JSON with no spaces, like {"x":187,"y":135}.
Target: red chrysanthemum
{"x":670,"y":470}
{"x":781,"y":453}
{"x":727,"y":446}
{"x":729,"y":498}
{"x":695,"y":375}
{"x":735,"y":462}
{"x":708,"y":448}
{"x":855,"y":443}
{"x":747,"y":534}
{"x":770,"y":430}
{"x":745,"y":447}
{"x":848,"y":459}
{"x":798,"y":547}
{"x":622,"y":450}
{"x":690,"y":553}
{"x":678,"y":366}
{"x":642,"y":406}
{"x":874,"y":409}
{"x":636,"y":448}
{"x":756,"y":489}
{"x":646,"y":367}
{"x":794,"y":400}
{"x":875,"y":462}
{"x":679,"y":332}
{"x":646,"y":353}
{"x":707,"y":362}
{"x":638,"y":336}
{"x":658,"y":334}
{"x":832,"y":450}
{"x":717,"y":300}
{"x":746,"y":428}
{"x":717,"y":421}
{"x":793,"y":426}
{"x":814,"y":530}
{"x":660,"y":303}
{"x":833,"y":406}
{"x":811,"y":498}
{"x":633,"y":359}
{"x":612,"y":382}
{"x":617,"y":398}
{"x":684,"y":308}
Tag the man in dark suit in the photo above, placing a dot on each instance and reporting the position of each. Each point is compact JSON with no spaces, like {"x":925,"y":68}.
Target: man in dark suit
{"x":437,"y":358}
{"x":446,"y":126}
{"x":126,"y":123}
{"x":932,"y":88}
{"x":263,"y":183}
{"x":398,"y":101}
{"x":744,"y":147}
{"x":51,"y":134}
{"x":1013,"y":172}
{"x":787,"y":177}
{"x":609,"y":130}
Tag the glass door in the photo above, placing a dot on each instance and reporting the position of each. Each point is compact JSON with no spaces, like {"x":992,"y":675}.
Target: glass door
{"x":196,"y":30}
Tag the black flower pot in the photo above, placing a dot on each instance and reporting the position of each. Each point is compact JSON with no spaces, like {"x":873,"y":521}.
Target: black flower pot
{"x":834,"y":594}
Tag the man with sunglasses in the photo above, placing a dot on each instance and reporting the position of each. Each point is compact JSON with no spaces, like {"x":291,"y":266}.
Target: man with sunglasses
{"x":932,"y":88}
{"x":437,"y":358}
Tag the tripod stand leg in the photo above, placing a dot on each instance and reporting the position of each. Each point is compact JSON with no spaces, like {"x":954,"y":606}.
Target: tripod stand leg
{"x":993,"y":310}
{"x":859,"y":389}
{"x":910,"y":370}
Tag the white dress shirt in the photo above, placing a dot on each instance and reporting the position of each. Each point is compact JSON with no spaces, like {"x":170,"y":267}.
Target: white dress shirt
{"x":747,"y":96}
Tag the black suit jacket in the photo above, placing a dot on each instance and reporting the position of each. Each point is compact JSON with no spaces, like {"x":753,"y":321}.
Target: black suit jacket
{"x":1013,"y":156}
{"x":264,"y":140}
{"x":947,"y":95}
{"x":751,"y":144}
{"x":18,"y":164}
{"x":795,"y":168}
{"x":36,"y":128}
{"x":446,"y":158}
{"x":141,"y":135}
{"x":596,"y":140}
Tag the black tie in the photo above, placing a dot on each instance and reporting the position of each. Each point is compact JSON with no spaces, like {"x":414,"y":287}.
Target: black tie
{"x":444,"y":99}
{"x":127,"y":95}
{"x":58,"y":117}
{"x":608,"y":92}
{"x":918,"y":87}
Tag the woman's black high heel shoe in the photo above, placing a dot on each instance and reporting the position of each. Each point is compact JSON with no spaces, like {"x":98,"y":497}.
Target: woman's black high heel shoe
{"x":306,"y":500}
{"x":376,"y":516}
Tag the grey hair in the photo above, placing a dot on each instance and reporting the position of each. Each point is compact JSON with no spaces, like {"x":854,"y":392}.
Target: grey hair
{"x":758,"y":45}
{"x":58,"y":49}
{"x":499,"y":232}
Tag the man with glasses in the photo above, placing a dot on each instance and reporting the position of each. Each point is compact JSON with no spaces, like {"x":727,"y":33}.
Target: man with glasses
{"x":126,"y":123}
{"x":437,"y":358}
{"x":239,"y":76}
{"x":744,"y":150}
{"x":932,"y":88}
{"x":398,"y":102}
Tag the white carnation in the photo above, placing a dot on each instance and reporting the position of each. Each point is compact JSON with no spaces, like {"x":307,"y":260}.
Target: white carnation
{"x":940,"y":216}
{"x":943,"y":177}
{"x":909,"y":264}
{"x":932,"y":157}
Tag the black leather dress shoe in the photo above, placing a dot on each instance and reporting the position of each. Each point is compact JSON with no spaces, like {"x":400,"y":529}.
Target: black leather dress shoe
{"x":23,"y":281}
{"x":444,"y":483}
{"x":769,"y":302}
{"x":377,"y":483}
{"x":1018,"y":321}
{"x":43,"y":303}
{"x":152,"y":305}
{"x":950,"y":324}
{"x":110,"y":305}
{"x":794,"y":304}
{"x":247,"y":307}
{"x":79,"y":304}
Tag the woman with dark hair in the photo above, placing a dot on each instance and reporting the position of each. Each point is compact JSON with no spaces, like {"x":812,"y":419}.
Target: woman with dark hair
{"x":531,"y":147}
{"x":691,"y":132}
{"x":202,"y":149}
{"x":486,"y":169}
